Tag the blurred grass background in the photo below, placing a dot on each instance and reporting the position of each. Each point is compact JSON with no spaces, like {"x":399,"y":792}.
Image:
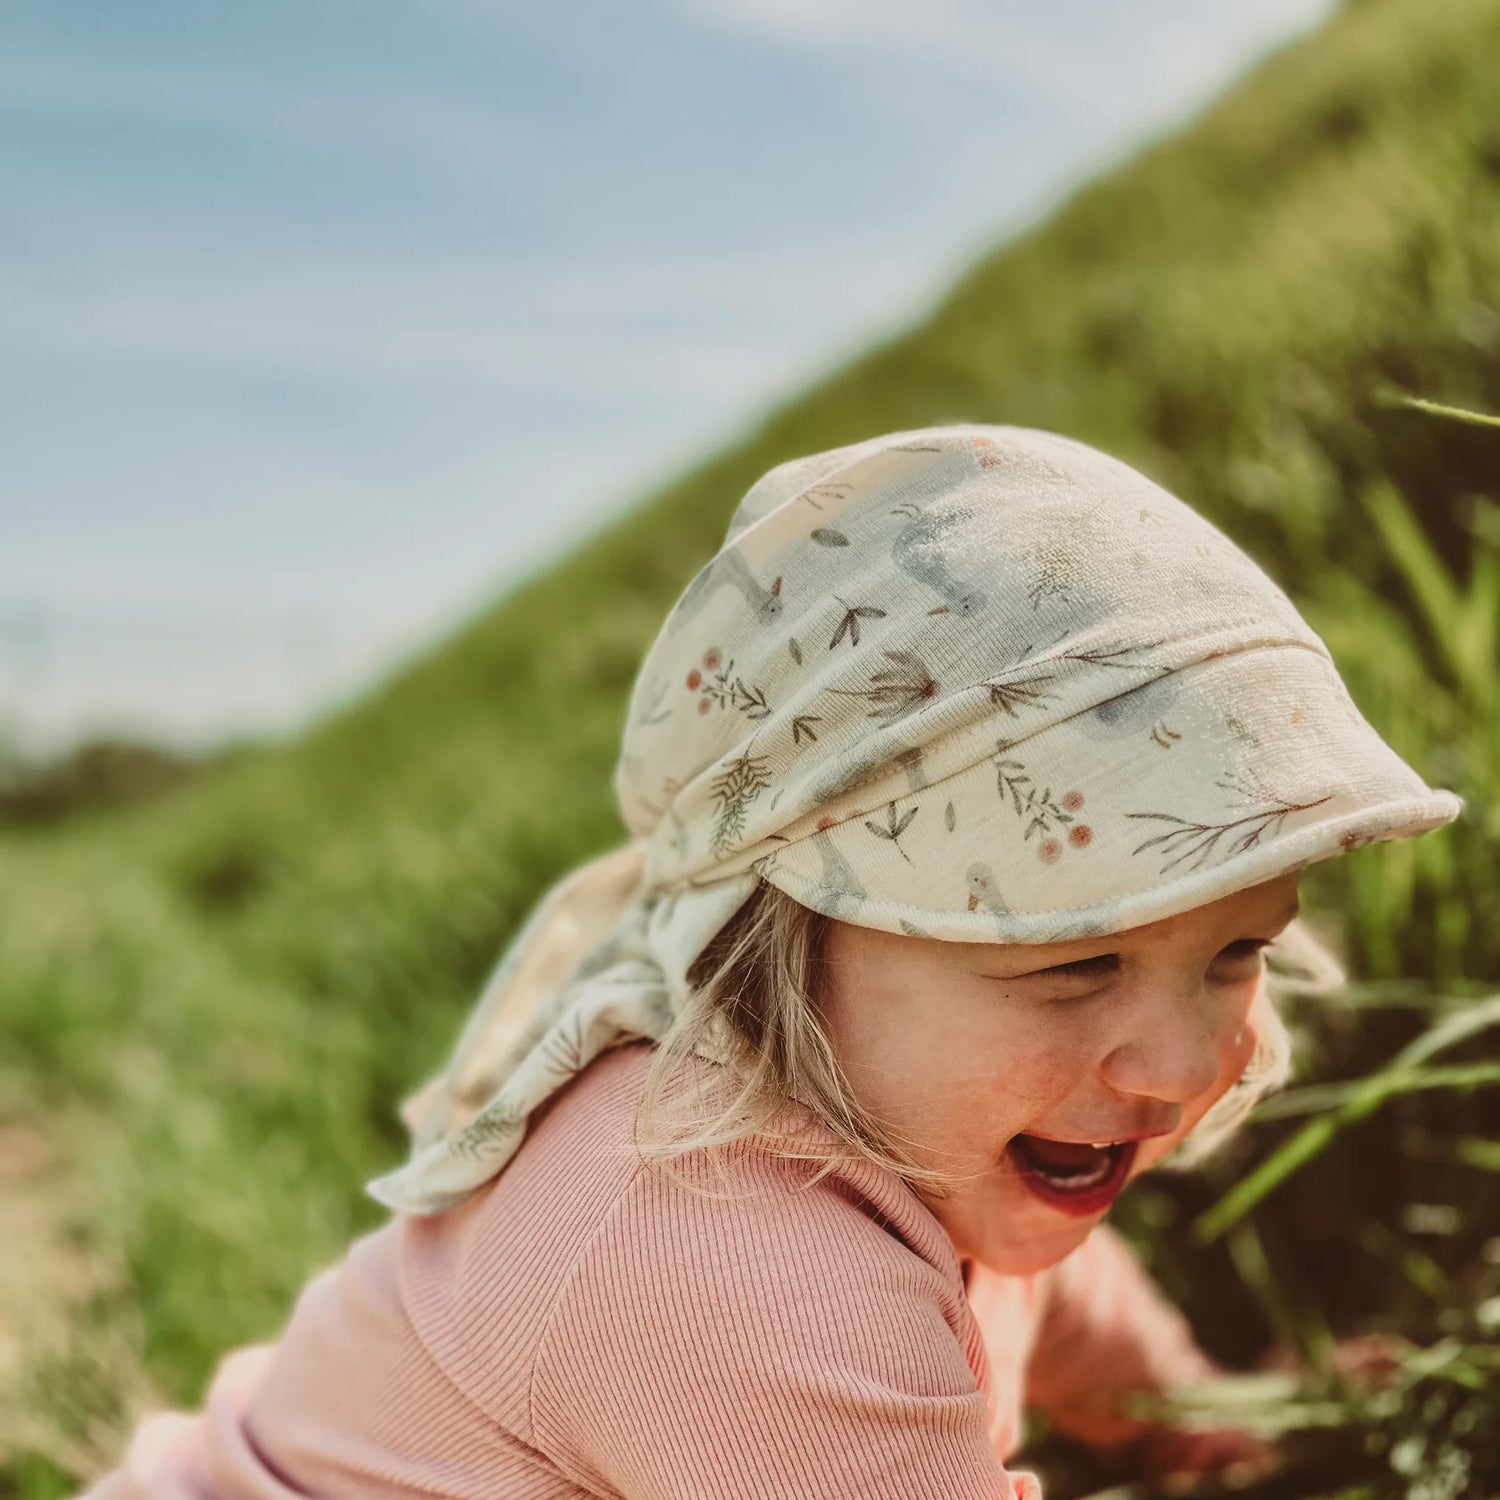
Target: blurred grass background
{"x":218,"y":980}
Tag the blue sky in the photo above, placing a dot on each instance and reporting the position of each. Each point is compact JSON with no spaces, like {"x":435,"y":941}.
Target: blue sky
{"x":320,"y":320}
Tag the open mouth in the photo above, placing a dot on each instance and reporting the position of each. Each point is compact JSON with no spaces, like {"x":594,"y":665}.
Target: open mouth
{"x":1069,"y":1175}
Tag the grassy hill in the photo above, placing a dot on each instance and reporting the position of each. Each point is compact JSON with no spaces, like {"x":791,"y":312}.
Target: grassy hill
{"x":211,"y":1003}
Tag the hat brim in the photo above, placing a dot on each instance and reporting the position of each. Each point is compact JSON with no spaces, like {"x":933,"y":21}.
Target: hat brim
{"x":1216,"y":777}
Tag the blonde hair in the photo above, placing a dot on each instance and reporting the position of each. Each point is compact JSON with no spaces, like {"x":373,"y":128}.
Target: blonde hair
{"x":755,"y":993}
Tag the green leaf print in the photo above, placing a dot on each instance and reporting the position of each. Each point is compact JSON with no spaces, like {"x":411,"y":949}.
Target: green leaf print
{"x":895,"y":827}
{"x":741,"y":782}
{"x":849,"y":625}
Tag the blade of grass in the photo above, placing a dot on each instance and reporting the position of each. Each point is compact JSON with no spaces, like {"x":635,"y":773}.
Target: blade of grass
{"x":1419,"y":1268}
{"x":1317,"y":1096}
{"x":1296,"y":1153}
{"x":1363,"y":1099}
{"x":1364,"y":1096}
{"x":1474,"y":1151}
{"x":1460,"y":621}
{"x":1389,"y":396}
{"x":1299,"y":1330}
{"x":1448,"y":1032}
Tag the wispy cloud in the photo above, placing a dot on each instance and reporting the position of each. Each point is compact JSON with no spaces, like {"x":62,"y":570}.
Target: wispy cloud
{"x":1080,"y":53}
{"x":445,"y":135}
{"x":654,"y":326}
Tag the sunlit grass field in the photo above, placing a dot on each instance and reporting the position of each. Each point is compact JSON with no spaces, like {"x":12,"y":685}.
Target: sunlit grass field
{"x":211,"y":1001}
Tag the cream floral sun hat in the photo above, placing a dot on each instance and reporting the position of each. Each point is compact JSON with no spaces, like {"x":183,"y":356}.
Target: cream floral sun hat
{"x":974,"y":683}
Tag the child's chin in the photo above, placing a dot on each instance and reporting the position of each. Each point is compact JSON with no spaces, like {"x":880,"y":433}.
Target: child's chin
{"x":1026,"y":1254}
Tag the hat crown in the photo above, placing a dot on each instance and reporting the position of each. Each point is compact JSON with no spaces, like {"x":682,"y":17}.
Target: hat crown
{"x":871,"y":599}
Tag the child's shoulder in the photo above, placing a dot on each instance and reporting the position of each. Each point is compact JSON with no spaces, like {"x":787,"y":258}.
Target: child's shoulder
{"x":577,"y":1203}
{"x":765,"y":1308}
{"x":583,"y":1278}
{"x":748,"y":1234}
{"x":580,"y":1165}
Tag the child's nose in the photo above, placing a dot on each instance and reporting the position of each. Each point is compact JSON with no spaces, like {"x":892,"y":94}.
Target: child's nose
{"x":1174,"y":1056}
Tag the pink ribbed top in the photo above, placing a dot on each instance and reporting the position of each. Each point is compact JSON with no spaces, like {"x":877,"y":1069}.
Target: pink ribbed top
{"x":583,"y":1327}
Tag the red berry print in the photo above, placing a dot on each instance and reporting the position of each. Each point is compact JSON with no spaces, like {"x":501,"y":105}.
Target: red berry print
{"x":712,"y":657}
{"x":988,"y":459}
{"x":1080,"y":836}
{"x":694,"y":678}
{"x":1072,"y":801}
{"x":1048,"y":851}
{"x":705,"y":705}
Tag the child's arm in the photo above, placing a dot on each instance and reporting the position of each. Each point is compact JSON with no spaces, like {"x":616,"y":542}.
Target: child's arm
{"x":1107,"y":1328}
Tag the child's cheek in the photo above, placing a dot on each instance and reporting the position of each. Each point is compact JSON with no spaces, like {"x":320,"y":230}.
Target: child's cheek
{"x":1242,"y":1050}
{"x":1041,"y":1072}
{"x":1235,"y":1060}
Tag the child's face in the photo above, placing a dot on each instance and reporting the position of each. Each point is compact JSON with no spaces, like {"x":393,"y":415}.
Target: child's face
{"x":965,"y":1049}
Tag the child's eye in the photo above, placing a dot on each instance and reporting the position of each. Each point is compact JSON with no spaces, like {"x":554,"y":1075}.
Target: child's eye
{"x":1249,"y":949}
{"x":1086,"y":968}
{"x":1102,"y":965}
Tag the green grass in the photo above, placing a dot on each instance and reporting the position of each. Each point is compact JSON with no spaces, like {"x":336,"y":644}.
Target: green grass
{"x":211,"y":1002}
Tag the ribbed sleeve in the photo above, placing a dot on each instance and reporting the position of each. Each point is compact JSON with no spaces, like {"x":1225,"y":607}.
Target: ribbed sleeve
{"x":767,"y":1343}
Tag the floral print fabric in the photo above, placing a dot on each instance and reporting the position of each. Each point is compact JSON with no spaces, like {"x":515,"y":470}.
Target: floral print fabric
{"x":974,"y":683}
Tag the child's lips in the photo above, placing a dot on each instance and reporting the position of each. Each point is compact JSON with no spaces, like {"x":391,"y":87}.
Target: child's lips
{"x":1072,"y":1176}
